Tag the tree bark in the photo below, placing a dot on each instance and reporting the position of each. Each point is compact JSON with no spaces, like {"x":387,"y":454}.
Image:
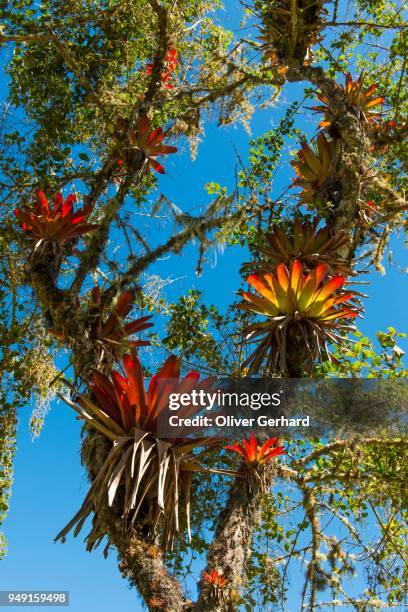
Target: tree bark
{"x":231,"y":548}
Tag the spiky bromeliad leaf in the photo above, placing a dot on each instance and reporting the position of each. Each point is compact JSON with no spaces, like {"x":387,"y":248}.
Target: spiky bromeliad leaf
{"x":306,"y":243}
{"x":112,"y":332}
{"x":145,"y":475}
{"x":58,"y":223}
{"x":302,"y":314}
{"x":290,"y":28}
{"x":362,"y":100}
{"x":318,"y":172}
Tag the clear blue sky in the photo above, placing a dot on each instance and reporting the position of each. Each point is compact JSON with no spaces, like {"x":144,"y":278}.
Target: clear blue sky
{"x":49,"y":482}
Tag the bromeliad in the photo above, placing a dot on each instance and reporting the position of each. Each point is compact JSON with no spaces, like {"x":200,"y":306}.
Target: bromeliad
{"x":302,"y":313}
{"x":57,"y":223}
{"x":290,"y":28}
{"x":362,"y":100}
{"x":306,"y":243}
{"x":145,"y":474}
{"x":318,"y":172}
{"x":254,"y":454}
{"x":112,"y":333}
{"x":217,"y":583}
{"x":215,"y":578}
{"x":150,"y":142}
{"x":254,"y":457}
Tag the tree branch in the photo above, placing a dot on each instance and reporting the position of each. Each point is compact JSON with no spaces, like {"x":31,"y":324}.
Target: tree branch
{"x":141,"y":561}
{"x":231,"y":547}
{"x":358,"y":24}
{"x":89,"y":258}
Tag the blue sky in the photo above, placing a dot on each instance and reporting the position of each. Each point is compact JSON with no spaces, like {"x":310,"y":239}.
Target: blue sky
{"x":50,"y":484}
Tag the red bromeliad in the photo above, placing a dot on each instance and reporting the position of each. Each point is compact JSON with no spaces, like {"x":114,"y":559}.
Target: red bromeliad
{"x":254,"y":454}
{"x":150,"y":472}
{"x":124,"y":400}
{"x":150,"y":142}
{"x":215,"y":578}
{"x":112,"y":331}
{"x":58,"y":222}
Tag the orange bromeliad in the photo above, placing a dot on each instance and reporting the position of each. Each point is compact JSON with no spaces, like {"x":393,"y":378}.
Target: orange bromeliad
{"x":150,"y":142}
{"x":363,"y":100}
{"x":303,"y":308}
{"x":215,"y":578}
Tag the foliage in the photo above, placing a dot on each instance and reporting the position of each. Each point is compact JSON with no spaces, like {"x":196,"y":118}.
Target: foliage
{"x":188,"y":330}
{"x":361,"y":359}
{"x":8,"y":423}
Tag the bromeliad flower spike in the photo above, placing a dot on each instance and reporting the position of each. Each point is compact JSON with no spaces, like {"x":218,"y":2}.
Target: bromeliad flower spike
{"x":302,"y":315}
{"x":142,"y":472}
{"x":58,"y":223}
{"x":169,"y":66}
{"x":150,"y":142}
{"x":254,"y":454}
